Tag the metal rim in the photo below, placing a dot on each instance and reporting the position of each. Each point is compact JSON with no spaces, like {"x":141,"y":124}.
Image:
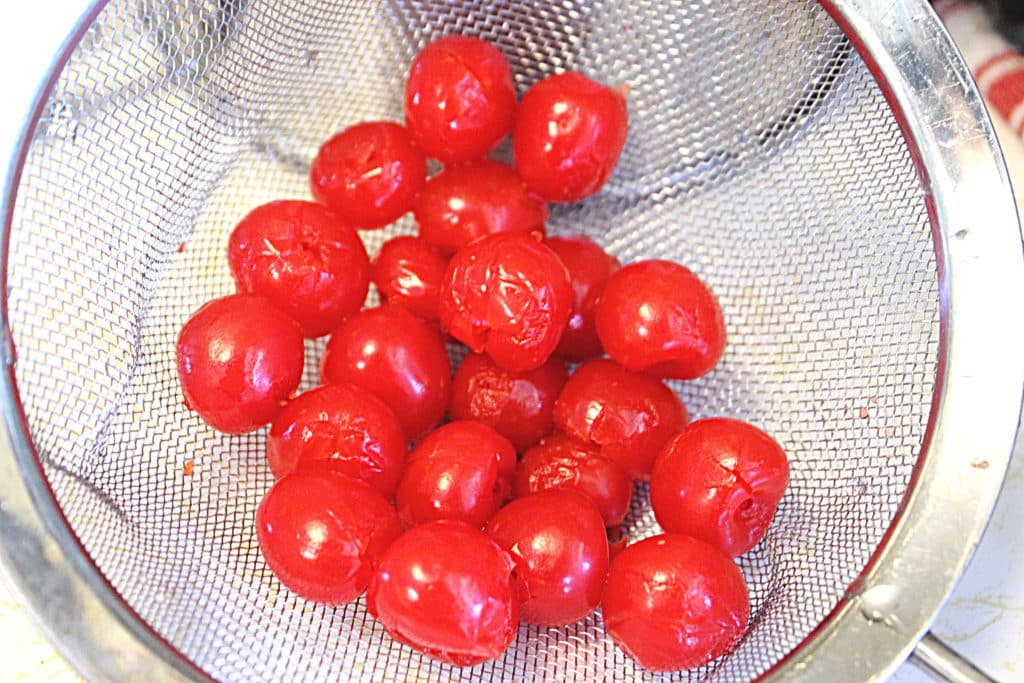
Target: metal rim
{"x":69,"y":599}
{"x":976,"y":407}
{"x":971,"y":431}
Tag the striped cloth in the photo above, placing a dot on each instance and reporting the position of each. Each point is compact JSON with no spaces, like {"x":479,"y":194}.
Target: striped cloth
{"x":998,"y":66}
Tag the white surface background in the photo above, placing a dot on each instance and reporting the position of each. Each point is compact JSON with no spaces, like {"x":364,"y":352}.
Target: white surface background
{"x":984,"y":619}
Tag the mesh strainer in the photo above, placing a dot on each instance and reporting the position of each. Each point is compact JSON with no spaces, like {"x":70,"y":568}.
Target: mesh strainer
{"x":827,"y":168}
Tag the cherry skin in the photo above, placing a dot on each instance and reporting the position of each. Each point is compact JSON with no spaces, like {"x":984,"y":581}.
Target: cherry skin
{"x":459,"y":98}
{"x":464,"y":202}
{"x":340,"y":427}
{"x":239,"y":358}
{"x":446,"y":589}
{"x":660,"y":318}
{"x":409,"y":272}
{"x":560,"y":461}
{"x":568,"y":135}
{"x":461,"y":471}
{"x":369,"y":174}
{"x":397,"y":356}
{"x":518,"y":405}
{"x":589,"y":268}
{"x":627,"y":415}
{"x":305,"y":259}
{"x":721,"y":481}
{"x":322,"y":534}
{"x":673,"y":602}
{"x":507,"y":295}
{"x":558,"y":542}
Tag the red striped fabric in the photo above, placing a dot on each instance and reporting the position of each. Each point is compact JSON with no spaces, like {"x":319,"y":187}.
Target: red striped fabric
{"x":998,"y":67}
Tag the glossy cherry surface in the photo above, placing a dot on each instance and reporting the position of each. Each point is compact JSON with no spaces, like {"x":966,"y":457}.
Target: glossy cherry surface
{"x":369,"y":174}
{"x":322,"y":534}
{"x":305,"y":259}
{"x":459,"y":98}
{"x":560,"y":461}
{"x":673,"y":602}
{"x":340,"y":427}
{"x":659,"y":317}
{"x":446,"y":589}
{"x":410,"y":272}
{"x":627,"y":415}
{"x":558,"y":542}
{"x":589,"y":268}
{"x":568,"y":135}
{"x":239,"y":358}
{"x":461,"y":471}
{"x":397,"y":356}
{"x":518,"y":405}
{"x":508,"y":296}
{"x":721,"y":481}
{"x":464,"y":202}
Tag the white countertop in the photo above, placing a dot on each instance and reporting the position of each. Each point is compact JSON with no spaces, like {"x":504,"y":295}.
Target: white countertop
{"x":984,"y":619}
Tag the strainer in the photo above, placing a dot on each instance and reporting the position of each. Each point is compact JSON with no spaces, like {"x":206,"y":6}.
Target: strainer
{"x":827,"y":168}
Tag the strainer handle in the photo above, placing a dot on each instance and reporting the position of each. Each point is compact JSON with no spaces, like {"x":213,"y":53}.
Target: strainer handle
{"x":944,"y":664}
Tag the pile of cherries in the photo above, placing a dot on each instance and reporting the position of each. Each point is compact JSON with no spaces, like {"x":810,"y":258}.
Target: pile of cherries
{"x":504,"y":513}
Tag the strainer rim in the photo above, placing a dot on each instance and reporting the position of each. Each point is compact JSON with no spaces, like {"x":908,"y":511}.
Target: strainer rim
{"x":930,"y":90}
{"x":880,"y":649}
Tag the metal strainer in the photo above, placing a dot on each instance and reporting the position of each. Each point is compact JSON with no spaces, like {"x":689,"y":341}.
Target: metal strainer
{"x":827,"y":168}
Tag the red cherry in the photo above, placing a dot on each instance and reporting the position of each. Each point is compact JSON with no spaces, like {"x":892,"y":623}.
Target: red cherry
{"x":658,"y":317}
{"x":305,"y":259}
{"x":558,"y":542}
{"x":460,"y":471}
{"x":446,"y":589}
{"x":459,"y":98}
{"x":464,"y":202}
{"x":518,"y":405}
{"x":589,"y":268}
{"x":340,"y":427}
{"x":409,"y":272}
{"x":322,"y":534}
{"x":561,"y":462}
{"x":369,"y":174}
{"x":628,"y":415}
{"x":569,"y":133}
{"x":396,"y":356}
{"x":508,"y":295}
{"x":239,"y":358}
{"x":721,"y":481}
{"x":672,"y":603}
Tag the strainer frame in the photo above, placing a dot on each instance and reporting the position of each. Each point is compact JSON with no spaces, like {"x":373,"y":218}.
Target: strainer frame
{"x":973,"y":424}
{"x":41,"y":558}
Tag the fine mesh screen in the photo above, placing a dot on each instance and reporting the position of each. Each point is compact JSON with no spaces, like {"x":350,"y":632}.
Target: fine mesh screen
{"x":761,"y":154}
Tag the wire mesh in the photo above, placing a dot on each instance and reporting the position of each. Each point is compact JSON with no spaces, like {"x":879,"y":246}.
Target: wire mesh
{"x":761,"y":154}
